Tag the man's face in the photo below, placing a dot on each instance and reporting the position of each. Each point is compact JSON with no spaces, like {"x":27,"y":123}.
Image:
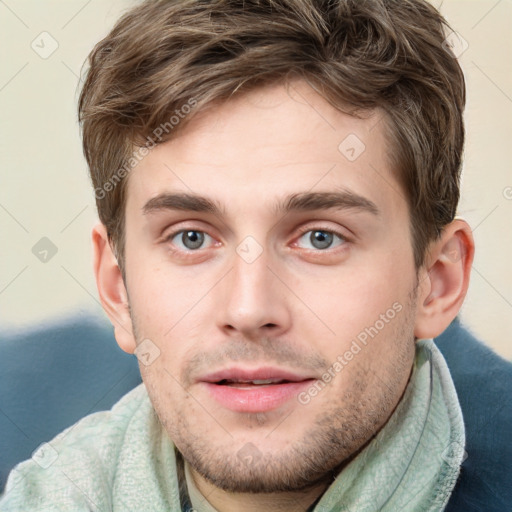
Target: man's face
{"x":284,"y":320}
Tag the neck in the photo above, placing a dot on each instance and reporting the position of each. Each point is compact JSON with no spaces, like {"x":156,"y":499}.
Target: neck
{"x":224,"y":501}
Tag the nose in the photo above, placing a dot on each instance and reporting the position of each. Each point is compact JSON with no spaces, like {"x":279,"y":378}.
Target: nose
{"x":255,"y":301}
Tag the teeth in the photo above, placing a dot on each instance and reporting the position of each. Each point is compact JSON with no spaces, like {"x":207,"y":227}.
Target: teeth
{"x":260,"y":382}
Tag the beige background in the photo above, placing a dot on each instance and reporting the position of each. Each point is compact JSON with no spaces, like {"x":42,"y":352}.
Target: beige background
{"x":45,"y":190}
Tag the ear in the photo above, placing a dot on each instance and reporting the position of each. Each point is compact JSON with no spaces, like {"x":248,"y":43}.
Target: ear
{"x":111,"y":289}
{"x":444,"y":279}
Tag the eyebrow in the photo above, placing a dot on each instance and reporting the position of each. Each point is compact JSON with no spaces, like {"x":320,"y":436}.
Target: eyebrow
{"x":302,"y":201}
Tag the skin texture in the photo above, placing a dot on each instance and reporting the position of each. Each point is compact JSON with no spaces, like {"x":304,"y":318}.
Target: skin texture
{"x":297,"y":306}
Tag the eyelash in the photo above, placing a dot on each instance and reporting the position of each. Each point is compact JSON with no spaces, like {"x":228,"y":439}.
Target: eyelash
{"x":302,"y":232}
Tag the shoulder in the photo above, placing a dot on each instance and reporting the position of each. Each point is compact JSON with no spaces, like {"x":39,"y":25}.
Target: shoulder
{"x":483,"y":381}
{"x":77,"y":467}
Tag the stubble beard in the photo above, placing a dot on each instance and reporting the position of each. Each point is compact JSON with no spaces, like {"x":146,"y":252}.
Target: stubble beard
{"x":337,"y":433}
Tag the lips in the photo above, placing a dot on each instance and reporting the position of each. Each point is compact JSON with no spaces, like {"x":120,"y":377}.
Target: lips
{"x":258,"y":390}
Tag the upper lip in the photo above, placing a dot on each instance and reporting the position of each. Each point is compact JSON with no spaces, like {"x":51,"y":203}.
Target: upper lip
{"x":244,"y":374}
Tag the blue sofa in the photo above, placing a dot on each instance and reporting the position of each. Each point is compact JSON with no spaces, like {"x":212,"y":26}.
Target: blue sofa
{"x":52,"y":377}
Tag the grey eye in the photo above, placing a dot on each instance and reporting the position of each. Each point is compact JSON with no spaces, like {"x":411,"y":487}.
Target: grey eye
{"x":189,"y":239}
{"x":321,"y":239}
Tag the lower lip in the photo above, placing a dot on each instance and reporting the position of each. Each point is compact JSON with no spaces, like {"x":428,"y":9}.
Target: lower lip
{"x":256,"y":398}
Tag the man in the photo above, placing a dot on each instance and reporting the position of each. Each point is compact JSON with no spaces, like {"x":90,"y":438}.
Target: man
{"x":277,"y":183}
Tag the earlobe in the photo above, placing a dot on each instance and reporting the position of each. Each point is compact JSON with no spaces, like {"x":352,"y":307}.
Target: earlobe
{"x":446,"y":281}
{"x":111,"y":289}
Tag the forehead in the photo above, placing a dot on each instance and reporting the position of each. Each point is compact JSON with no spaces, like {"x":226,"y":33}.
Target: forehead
{"x":271,"y":142}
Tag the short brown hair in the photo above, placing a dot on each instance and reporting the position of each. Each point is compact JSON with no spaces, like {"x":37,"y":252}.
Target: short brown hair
{"x":358,"y":54}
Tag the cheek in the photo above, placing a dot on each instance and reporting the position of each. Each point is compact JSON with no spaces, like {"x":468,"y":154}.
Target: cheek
{"x":349,"y":301}
{"x":370,"y":316}
{"x":169,"y":309}
{"x":159,"y":298}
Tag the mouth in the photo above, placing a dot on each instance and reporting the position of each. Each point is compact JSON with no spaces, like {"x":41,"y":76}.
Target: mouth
{"x":248,"y":384}
{"x":259,"y":390}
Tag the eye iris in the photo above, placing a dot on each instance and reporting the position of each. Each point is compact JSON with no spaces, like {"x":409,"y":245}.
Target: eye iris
{"x":192,"y":239}
{"x":321,"y":239}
